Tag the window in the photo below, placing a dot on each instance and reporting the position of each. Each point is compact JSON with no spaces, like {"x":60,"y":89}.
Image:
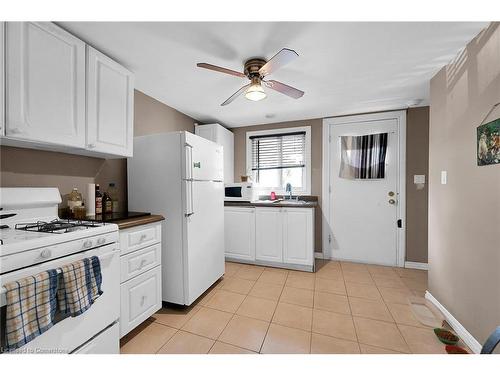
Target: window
{"x":280,"y":156}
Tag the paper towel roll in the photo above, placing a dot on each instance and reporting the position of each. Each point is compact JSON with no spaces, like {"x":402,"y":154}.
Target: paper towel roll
{"x":90,"y":199}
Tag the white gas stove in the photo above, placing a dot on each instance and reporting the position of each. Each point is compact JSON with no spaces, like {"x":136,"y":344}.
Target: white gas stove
{"x":34,"y":239}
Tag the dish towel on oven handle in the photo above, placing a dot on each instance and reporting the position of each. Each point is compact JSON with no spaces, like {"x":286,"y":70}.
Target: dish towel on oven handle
{"x":79,"y":286}
{"x":31,"y":307}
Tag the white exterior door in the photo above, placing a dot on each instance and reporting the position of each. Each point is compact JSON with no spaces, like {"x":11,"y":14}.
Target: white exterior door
{"x":298,"y":235}
{"x":268,"y":234}
{"x":363,"y":213}
{"x":239,"y":230}
{"x":45,"y":68}
{"x":110,"y":105}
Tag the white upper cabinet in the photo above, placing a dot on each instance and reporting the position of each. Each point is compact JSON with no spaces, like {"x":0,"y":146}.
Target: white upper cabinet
{"x":219,"y":134}
{"x":110,"y":105}
{"x":268,"y":234}
{"x":45,"y":79}
{"x":298,"y":235}
{"x":2,"y":78}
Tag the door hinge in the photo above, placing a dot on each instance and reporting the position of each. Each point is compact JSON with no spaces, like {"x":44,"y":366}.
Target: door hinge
{"x":330,"y":138}
{"x":330,"y":189}
{"x":329,"y":238}
{"x":400,"y":223}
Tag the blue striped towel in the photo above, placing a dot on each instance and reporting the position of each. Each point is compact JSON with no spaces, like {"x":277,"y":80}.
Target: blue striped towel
{"x":31,"y":307}
{"x":79,"y":286}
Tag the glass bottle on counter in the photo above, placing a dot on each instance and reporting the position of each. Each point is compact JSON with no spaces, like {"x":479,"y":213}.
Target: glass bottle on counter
{"x":113,"y":194}
{"x":98,"y":200}
{"x":74,"y":200}
{"x":107,"y":204}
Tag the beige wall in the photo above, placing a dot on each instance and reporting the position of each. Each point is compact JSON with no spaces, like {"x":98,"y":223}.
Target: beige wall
{"x":417,"y":163}
{"x":417,"y":155}
{"x":25,"y":167}
{"x":464,"y":214}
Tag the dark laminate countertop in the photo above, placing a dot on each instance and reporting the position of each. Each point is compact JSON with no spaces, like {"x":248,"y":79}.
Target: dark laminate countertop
{"x":124,"y":220}
{"x":139,"y":220}
{"x":312,"y":202}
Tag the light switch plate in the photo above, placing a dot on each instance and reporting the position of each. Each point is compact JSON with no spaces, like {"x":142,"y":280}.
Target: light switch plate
{"x":419,"y":179}
{"x":444,"y":177}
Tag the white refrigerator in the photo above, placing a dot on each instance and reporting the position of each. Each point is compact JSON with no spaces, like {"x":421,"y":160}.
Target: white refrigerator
{"x":180,"y":176}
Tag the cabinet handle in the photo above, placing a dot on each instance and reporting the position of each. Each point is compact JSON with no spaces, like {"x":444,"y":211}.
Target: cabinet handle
{"x":143,"y":300}
{"x":143,"y":237}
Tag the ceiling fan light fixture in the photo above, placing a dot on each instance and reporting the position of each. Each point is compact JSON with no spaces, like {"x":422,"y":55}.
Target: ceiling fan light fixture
{"x":255,"y":93}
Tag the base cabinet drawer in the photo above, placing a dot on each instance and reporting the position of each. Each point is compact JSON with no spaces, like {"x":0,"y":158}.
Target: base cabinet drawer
{"x":140,"y":298}
{"x":138,"y":237}
{"x":139,"y":261}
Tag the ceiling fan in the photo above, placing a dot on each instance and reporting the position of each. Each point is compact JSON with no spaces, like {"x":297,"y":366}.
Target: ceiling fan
{"x":256,"y":70}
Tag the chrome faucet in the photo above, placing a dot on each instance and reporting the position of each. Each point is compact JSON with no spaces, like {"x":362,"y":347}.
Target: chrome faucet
{"x":288,"y":190}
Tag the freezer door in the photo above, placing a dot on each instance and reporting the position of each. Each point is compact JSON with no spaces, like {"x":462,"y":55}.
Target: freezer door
{"x":203,"y":159}
{"x":204,"y":238}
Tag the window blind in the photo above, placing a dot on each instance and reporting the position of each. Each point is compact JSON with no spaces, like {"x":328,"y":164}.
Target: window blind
{"x":278,"y":151}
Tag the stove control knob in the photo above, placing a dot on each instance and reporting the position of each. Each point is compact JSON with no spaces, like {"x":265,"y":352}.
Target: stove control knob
{"x":45,"y":253}
{"x":87,"y":244}
{"x":101,"y":240}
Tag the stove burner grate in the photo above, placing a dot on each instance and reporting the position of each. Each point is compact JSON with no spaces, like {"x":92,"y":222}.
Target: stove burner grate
{"x":57,"y":226}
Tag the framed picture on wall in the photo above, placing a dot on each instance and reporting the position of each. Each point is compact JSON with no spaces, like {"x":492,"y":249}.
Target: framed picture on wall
{"x":488,"y":143}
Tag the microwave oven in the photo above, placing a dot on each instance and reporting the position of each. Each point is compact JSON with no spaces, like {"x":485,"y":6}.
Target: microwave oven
{"x":240,"y":192}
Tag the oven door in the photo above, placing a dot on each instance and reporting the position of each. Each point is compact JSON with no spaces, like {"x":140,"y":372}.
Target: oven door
{"x":70,"y":333}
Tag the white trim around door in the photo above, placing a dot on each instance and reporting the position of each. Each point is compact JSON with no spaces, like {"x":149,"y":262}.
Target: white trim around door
{"x":400,"y":116}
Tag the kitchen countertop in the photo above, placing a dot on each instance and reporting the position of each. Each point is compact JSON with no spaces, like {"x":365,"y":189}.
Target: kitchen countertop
{"x":125,"y":220}
{"x":311,"y":203}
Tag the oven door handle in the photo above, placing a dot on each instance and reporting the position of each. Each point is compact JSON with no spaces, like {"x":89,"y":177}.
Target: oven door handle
{"x":104,"y":257}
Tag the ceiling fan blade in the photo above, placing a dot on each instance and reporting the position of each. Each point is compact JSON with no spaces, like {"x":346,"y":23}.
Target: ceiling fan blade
{"x":235,"y":95}
{"x":220,"y":69}
{"x":279,"y":60}
{"x":284,"y":89}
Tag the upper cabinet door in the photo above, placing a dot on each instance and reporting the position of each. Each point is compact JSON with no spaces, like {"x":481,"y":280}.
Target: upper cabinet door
{"x":207,"y":132}
{"x":110,"y":105}
{"x":2,"y":78}
{"x":45,"y":77}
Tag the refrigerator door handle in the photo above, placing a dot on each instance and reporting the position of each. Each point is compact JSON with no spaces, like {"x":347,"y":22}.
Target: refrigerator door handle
{"x":189,"y":160}
{"x":189,"y":198}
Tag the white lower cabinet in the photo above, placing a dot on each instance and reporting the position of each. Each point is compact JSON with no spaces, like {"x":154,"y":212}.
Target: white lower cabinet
{"x":140,"y":298}
{"x":279,"y":236}
{"x":268,"y":234}
{"x":239,"y":229}
{"x":298,"y":236}
{"x":140,"y":290}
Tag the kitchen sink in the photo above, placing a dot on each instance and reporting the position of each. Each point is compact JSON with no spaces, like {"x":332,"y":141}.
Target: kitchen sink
{"x":292,"y":201}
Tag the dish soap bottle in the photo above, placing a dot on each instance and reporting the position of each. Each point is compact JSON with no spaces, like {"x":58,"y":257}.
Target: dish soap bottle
{"x":98,"y":200}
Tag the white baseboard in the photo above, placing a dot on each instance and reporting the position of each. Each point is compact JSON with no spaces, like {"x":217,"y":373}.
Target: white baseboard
{"x":417,"y":265}
{"x":469,"y":340}
{"x":318,"y":255}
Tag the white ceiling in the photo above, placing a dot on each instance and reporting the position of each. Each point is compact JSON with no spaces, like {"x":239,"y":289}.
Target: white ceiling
{"x":343,"y":67}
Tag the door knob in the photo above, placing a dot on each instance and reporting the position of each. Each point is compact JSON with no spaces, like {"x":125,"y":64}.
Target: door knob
{"x":391,"y":194}
{"x":392,"y":201}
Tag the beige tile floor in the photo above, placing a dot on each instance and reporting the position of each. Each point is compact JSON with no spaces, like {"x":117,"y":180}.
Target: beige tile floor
{"x":342,"y":308}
